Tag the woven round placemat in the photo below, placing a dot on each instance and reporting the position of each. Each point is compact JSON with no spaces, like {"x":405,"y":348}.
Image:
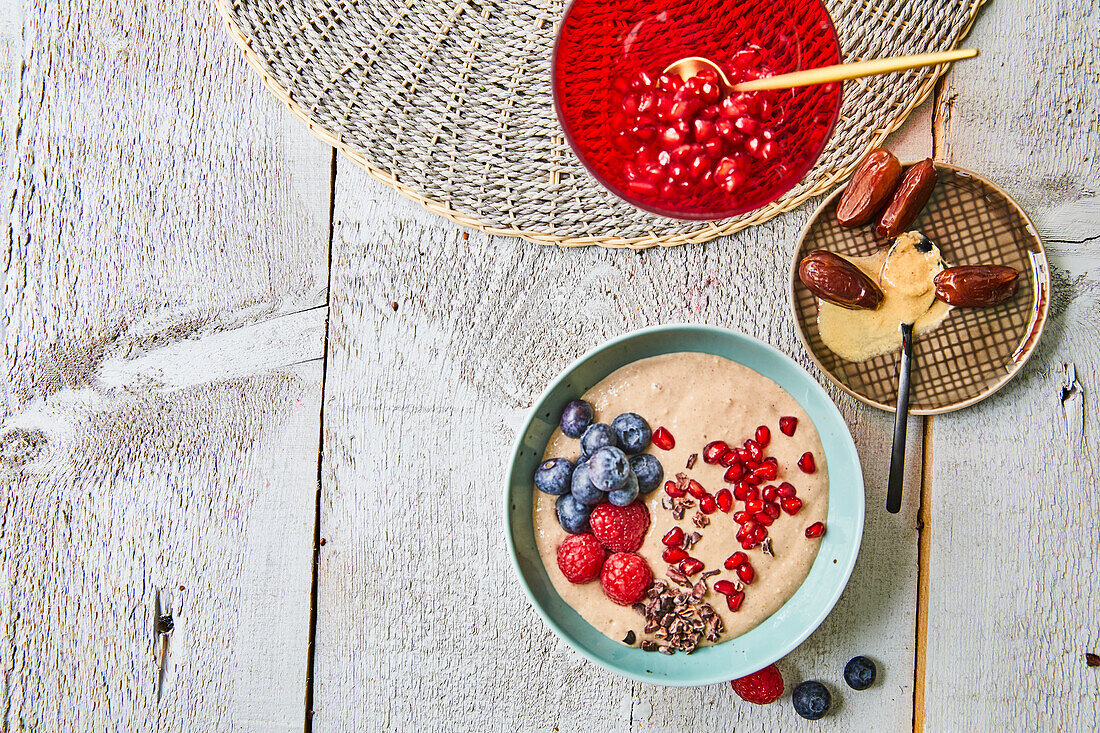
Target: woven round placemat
{"x":450,"y":103}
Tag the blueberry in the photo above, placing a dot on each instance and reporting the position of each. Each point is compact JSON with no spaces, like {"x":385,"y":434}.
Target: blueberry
{"x":608,"y":468}
{"x":811,"y":700}
{"x":597,"y":436}
{"x":627,"y":494}
{"x":575,"y":418}
{"x":582,"y":488}
{"x":554,"y":476}
{"x":648,"y":470}
{"x":859,"y":673}
{"x":573,"y":515}
{"x":632,"y":431}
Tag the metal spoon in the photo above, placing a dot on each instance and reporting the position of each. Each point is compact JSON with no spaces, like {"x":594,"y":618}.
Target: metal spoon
{"x":688,"y":67}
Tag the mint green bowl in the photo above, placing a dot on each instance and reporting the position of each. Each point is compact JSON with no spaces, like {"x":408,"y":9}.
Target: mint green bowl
{"x":787,"y":627}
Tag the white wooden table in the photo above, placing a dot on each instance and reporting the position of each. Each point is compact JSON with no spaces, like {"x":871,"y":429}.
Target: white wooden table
{"x":246,"y":385}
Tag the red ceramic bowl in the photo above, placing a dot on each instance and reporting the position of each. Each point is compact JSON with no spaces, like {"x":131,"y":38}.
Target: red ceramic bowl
{"x":602,"y":46}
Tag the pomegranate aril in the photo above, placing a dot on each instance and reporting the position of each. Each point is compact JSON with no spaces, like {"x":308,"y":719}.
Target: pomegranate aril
{"x":746,"y":573}
{"x":741,"y":517}
{"x":709,"y":92}
{"x":791,"y":505}
{"x":763,"y":436}
{"x":728,"y":458}
{"x":749,"y":527}
{"x":741,"y":491}
{"x":683,"y":109}
{"x":767,"y":151}
{"x":760,"y":534}
{"x":806,"y":463}
{"x":766,"y":472}
{"x":787,"y":425}
{"x":674,"y":554}
{"x":670,"y":137}
{"x":696,"y":489}
{"x":714,"y":148}
{"x":733,"y":106}
{"x":669,"y":82}
{"x":747,"y":544}
{"x":708,"y":504}
{"x":641,"y":80}
{"x":752,"y":506}
{"x":733,"y":473}
{"x":663,"y":439}
{"x":645,"y":133}
{"x":815,"y":530}
{"x":673,"y":538}
{"x":770,"y":493}
{"x":756,"y":453}
{"x":646,"y":188}
{"x":647,"y":103}
{"x":763,"y":518}
{"x":786,"y":490}
{"x":713,"y":450}
{"x":724,"y":498}
{"x":734,"y":601}
{"x":747,"y":125}
{"x":630,"y":104}
{"x":743,"y":455}
{"x":698,"y":165}
{"x":725,"y":129}
{"x":735,"y":560}
{"x":691,"y":566}
{"x":771,"y":509}
{"x":674,"y":490}
{"x":725,"y":587}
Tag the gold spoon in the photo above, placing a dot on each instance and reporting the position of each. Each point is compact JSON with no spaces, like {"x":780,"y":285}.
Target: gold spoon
{"x":688,"y":67}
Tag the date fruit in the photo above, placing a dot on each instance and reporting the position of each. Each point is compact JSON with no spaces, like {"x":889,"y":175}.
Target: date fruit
{"x":836,"y":280}
{"x":870,"y":188}
{"x":976,"y":285}
{"x":909,"y":199}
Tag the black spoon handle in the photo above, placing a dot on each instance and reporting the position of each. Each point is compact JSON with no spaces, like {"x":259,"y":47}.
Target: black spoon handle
{"x":901,"y":420}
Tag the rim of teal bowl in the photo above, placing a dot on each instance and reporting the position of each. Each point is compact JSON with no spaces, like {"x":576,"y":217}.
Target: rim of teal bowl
{"x":781,"y":632}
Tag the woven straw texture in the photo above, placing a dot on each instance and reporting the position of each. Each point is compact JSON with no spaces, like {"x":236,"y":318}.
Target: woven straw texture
{"x":450,"y":103}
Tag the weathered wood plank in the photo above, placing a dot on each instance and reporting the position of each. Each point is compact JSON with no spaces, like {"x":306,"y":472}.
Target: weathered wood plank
{"x":1015,"y":499}
{"x":163,"y":320}
{"x":421,"y":405}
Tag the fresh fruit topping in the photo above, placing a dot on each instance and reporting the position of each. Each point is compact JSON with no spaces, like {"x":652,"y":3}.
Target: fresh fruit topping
{"x":724,"y":498}
{"x":756,"y":453}
{"x":696,"y":489}
{"x":735,"y":560}
{"x":675,"y":490}
{"x":806,"y":463}
{"x":733,"y":473}
{"x":580,"y":558}
{"x":674,"y":554}
{"x":768,"y":471}
{"x":648,"y":469}
{"x":573,"y":516}
{"x":728,"y":458}
{"x":791,"y":505}
{"x":746,"y":573}
{"x":734,"y":601}
{"x":554,"y":477}
{"x":582,"y":488}
{"x":620,"y":529}
{"x":859,"y":673}
{"x":785,"y":490}
{"x":725,"y":587}
{"x":762,"y":518}
{"x":673,"y":538}
{"x":741,"y":517}
{"x":713,"y":451}
{"x":627,"y":493}
{"x":763,"y":687}
{"x":576,"y":417}
{"x":752,"y":506}
{"x":815,"y":530}
{"x":771,"y":509}
{"x":691,"y":566}
{"x":608,"y":468}
{"x":597,"y":436}
{"x":760,"y":534}
{"x":787,"y":425}
{"x":763,"y":436}
{"x":770,"y":493}
{"x":811,"y":700}
{"x":625,"y":578}
{"x":742,"y":491}
{"x":708,"y":504}
{"x":663,"y":439}
{"x":632,"y":432}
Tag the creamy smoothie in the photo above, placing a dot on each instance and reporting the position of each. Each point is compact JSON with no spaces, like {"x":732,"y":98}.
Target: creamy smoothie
{"x":701,"y":398}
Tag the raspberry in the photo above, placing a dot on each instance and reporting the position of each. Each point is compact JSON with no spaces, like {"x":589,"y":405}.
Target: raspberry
{"x":760,"y":687}
{"x":626,"y":577}
{"x":580,"y":558}
{"x":620,"y":529}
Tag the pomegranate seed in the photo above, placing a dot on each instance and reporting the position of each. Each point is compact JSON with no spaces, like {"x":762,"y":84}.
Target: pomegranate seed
{"x":669,"y":82}
{"x":725,"y":587}
{"x":708,"y":505}
{"x":771,"y":509}
{"x":724,"y":497}
{"x":741,"y":491}
{"x":630,"y":104}
{"x":756,"y":453}
{"x":647,"y":103}
{"x":748,"y":545}
{"x":699,"y":165}
{"x":691,"y":566}
{"x":754,"y":494}
{"x":766,"y":472}
{"x":733,"y":106}
{"x":673,"y":538}
{"x":727,"y":459}
{"x":735,"y":560}
{"x":709,"y":92}
{"x":714,"y":148}
{"x":734,"y":601}
{"x":763,"y":518}
{"x":747,"y":125}
{"x":642,"y":80}
{"x":786,"y":491}
{"x":733,"y":473}
{"x":663,"y":439}
{"x":760,"y":534}
{"x":713,"y":451}
{"x":787,"y":425}
{"x":670,"y":137}
{"x":696,"y":489}
{"x":674,"y":554}
{"x":752,"y":506}
{"x":763,"y":436}
{"x":767,"y":151}
{"x":806,"y":463}
{"x":746,"y":573}
{"x":741,"y":517}
{"x":643,"y":187}
{"x":791,"y":505}
{"x":748,"y":527}
{"x":725,"y":129}
{"x":684,"y":108}
{"x":815,"y":530}
{"x":770,"y":493}
{"x":673,"y":490}
{"x":743,"y":455}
